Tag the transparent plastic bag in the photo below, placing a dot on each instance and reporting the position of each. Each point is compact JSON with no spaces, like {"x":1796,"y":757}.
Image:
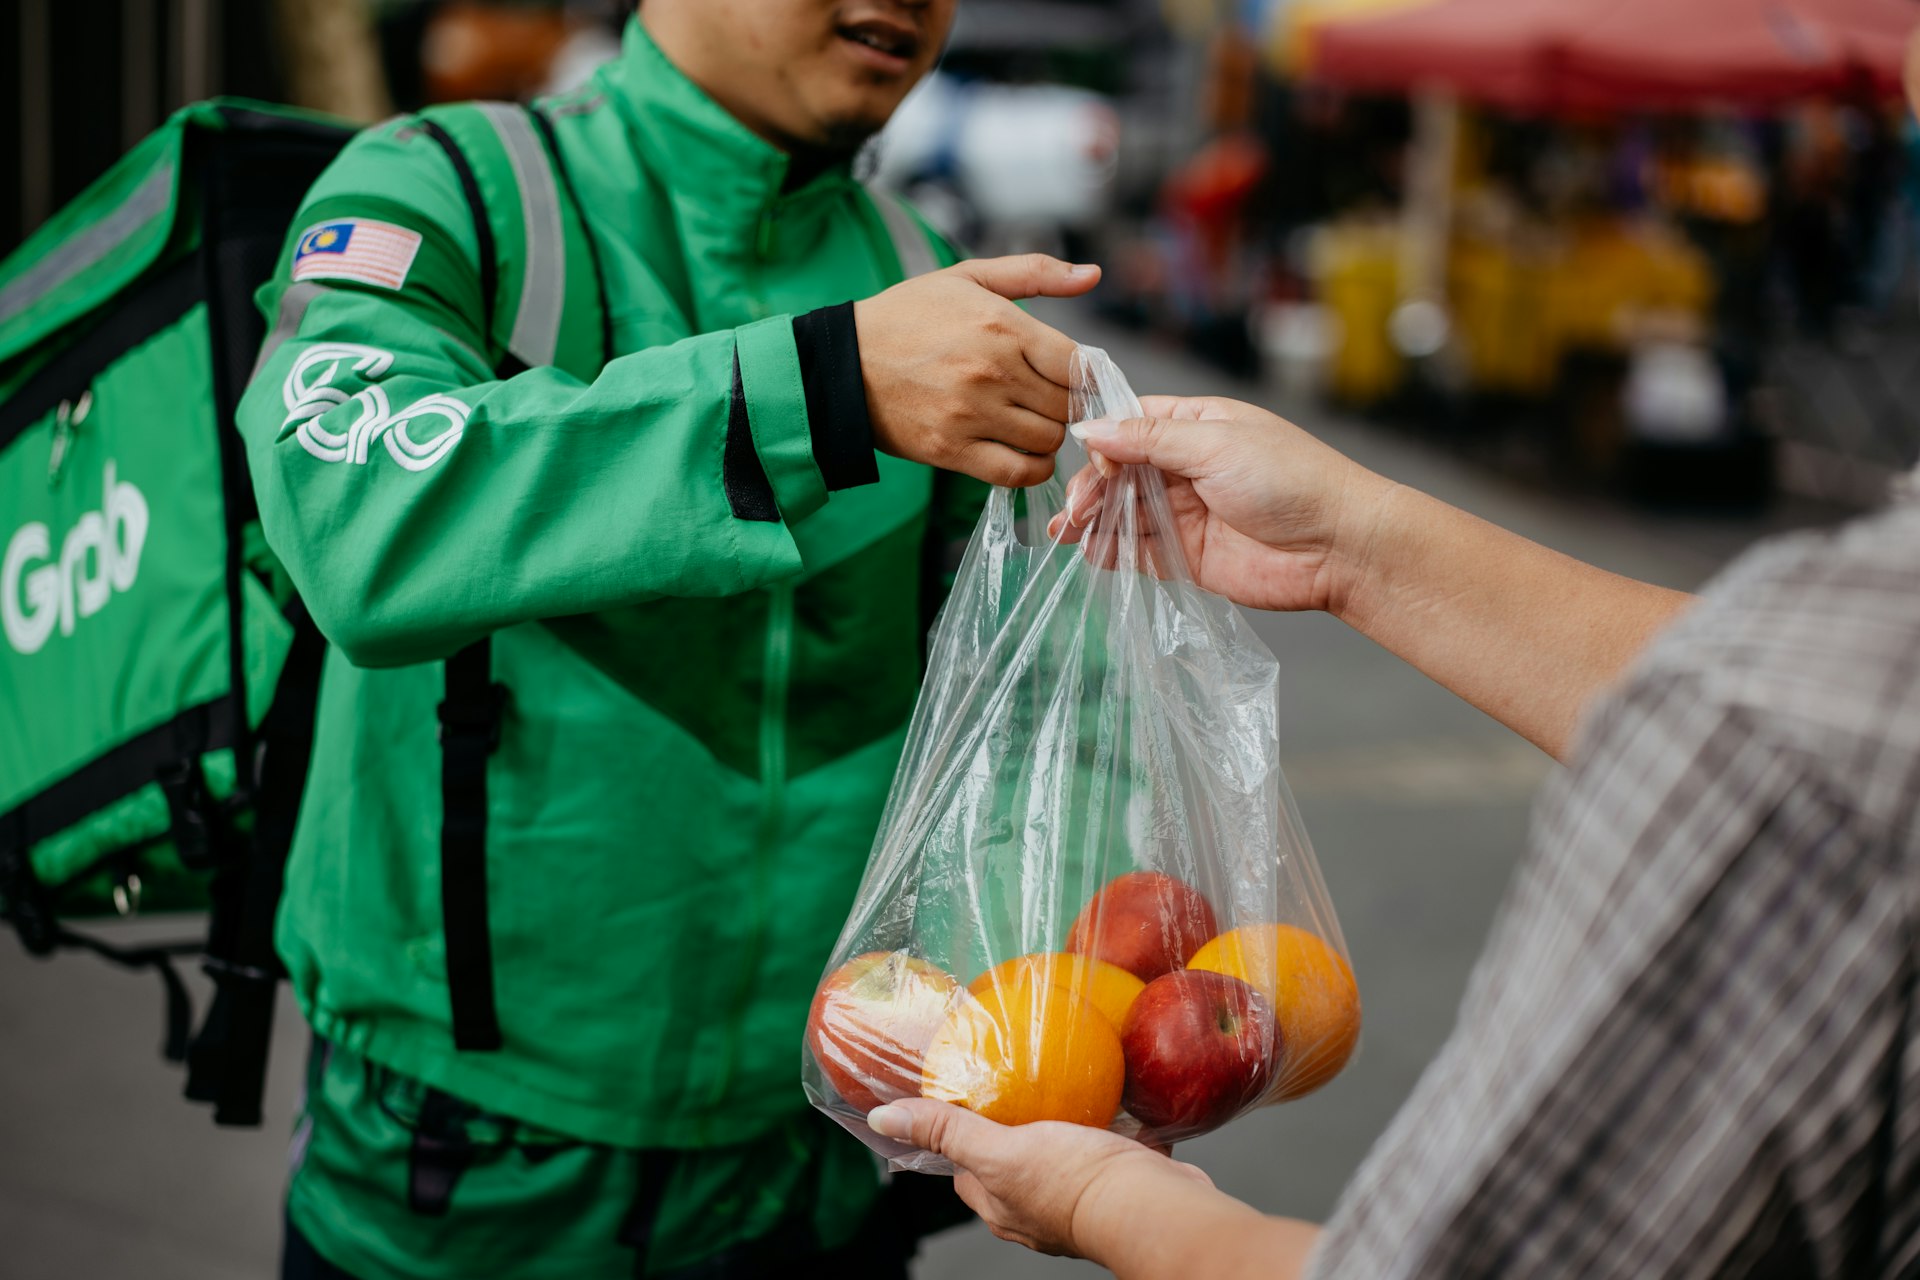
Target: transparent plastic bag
{"x":1091,"y":897}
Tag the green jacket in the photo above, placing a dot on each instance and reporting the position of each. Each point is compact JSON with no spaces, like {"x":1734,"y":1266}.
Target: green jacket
{"x":709,"y":659}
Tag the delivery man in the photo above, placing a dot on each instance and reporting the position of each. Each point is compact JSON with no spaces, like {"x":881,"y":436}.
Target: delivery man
{"x":601,"y":442}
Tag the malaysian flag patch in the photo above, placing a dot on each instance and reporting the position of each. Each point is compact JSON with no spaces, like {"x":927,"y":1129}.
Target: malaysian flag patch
{"x":356,"y":249}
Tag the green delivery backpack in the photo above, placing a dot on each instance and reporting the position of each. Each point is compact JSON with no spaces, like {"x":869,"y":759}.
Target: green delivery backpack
{"x":156,"y":676}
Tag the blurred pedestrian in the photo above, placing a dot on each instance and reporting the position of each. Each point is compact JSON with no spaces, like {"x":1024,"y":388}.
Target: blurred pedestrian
{"x":604,"y":455}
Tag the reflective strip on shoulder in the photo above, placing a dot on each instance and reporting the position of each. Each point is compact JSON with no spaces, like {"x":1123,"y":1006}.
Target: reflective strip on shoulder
{"x":150,"y":199}
{"x":910,"y":241}
{"x":293,"y":309}
{"x":543,"y":278}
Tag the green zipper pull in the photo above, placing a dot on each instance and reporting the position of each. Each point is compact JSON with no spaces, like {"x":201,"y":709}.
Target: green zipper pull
{"x":66,"y":419}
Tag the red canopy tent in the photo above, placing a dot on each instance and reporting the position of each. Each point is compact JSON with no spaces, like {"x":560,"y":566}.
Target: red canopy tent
{"x":1581,"y":55}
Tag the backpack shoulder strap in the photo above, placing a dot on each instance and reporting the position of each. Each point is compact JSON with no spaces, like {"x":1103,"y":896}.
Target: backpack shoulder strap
{"x":544,"y":123}
{"x":535,"y":249}
{"x":912,"y":243}
{"x":540,"y":279}
{"x":470,"y":711}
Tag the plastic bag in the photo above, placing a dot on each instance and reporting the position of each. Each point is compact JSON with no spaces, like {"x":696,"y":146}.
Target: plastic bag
{"x":1091,"y":897}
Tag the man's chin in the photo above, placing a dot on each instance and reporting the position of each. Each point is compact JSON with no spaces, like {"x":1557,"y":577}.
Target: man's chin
{"x":851,"y":123}
{"x":843,"y":135}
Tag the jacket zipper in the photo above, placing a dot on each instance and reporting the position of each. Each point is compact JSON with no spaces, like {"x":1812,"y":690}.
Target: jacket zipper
{"x":776,"y":673}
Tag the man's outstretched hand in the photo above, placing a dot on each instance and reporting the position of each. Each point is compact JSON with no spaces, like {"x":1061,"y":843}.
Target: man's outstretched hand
{"x":959,"y":377}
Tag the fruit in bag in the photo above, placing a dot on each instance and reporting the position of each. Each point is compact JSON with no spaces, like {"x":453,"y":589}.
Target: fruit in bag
{"x":1107,"y":987}
{"x":1026,"y":1053}
{"x":1146,"y":922}
{"x":872,"y":1020}
{"x":1312,"y":992}
{"x":1199,"y":1046}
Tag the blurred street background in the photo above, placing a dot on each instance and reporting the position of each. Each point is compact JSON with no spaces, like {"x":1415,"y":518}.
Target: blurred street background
{"x":1626,"y":298}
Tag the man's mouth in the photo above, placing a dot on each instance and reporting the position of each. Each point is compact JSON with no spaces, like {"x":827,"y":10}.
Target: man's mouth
{"x":891,"y":45}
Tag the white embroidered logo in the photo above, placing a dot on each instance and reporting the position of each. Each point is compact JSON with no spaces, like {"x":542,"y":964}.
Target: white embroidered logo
{"x":309,"y":393}
{"x":59,"y":592}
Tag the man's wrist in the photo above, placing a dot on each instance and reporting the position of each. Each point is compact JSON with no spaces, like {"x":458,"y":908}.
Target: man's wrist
{"x":828,"y":345}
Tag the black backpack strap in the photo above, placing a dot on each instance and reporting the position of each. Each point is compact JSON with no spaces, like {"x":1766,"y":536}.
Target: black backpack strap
{"x":41,"y":932}
{"x":509,"y":364}
{"x":470,"y":715}
{"x":228,"y":1062}
{"x":469,"y":733}
{"x":655,"y":1174}
{"x":158,"y":957}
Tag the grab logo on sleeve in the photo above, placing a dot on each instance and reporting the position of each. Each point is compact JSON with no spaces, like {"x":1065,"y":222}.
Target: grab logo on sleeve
{"x":98,"y":557}
{"x":309,"y":393}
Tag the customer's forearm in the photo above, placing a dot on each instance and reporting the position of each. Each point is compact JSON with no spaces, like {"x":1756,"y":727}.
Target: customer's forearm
{"x":1188,"y":1230}
{"x":1526,"y":634}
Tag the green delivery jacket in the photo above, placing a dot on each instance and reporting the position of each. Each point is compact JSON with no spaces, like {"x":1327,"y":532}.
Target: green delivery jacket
{"x":705,"y":702}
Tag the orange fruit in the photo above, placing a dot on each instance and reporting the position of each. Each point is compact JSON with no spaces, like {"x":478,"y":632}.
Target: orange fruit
{"x":1107,"y":987}
{"x":1025,"y":1053}
{"x":1312,"y":990}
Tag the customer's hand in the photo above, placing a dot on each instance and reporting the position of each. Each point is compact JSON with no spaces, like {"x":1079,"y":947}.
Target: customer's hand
{"x":1266,"y":514}
{"x":959,"y":377}
{"x":1270,"y":517}
{"x":1054,"y":1187}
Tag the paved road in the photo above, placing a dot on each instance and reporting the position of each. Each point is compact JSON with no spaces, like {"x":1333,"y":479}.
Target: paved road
{"x":1417,"y":806}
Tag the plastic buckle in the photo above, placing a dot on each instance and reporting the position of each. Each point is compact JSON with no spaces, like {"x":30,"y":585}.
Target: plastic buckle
{"x":194,"y":818}
{"x":469,"y":722}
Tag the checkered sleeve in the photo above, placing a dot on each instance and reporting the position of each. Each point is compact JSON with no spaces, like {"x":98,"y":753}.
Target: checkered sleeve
{"x":1687,"y":1048}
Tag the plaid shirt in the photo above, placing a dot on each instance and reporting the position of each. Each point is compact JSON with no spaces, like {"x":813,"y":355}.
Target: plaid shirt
{"x":1689,"y":1048}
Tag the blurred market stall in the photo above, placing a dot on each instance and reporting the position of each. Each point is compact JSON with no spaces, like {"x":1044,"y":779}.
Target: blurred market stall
{"x":1610,"y":55}
{"x":1598,"y":200}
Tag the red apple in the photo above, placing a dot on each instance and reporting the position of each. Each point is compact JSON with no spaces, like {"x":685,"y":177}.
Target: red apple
{"x":871,"y":1022}
{"x":1145,"y":922}
{"x":1199,"y":1047}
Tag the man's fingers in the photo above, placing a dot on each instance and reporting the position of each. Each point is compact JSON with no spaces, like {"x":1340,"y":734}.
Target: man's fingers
{"x":1042,"y":395}
{"x":1029,"y":275}
{"x":1028,"y":431}
{"x":939,"y":1127}
{"x":1048,"y":352}
{"x":998,"y":464}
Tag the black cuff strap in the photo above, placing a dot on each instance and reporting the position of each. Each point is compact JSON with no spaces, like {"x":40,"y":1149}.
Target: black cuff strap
{"x":749,"y":492}
{"x":837,"y":419}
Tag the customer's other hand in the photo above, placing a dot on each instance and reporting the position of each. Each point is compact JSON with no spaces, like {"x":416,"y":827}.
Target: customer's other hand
{"x":1041,"y":1185}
